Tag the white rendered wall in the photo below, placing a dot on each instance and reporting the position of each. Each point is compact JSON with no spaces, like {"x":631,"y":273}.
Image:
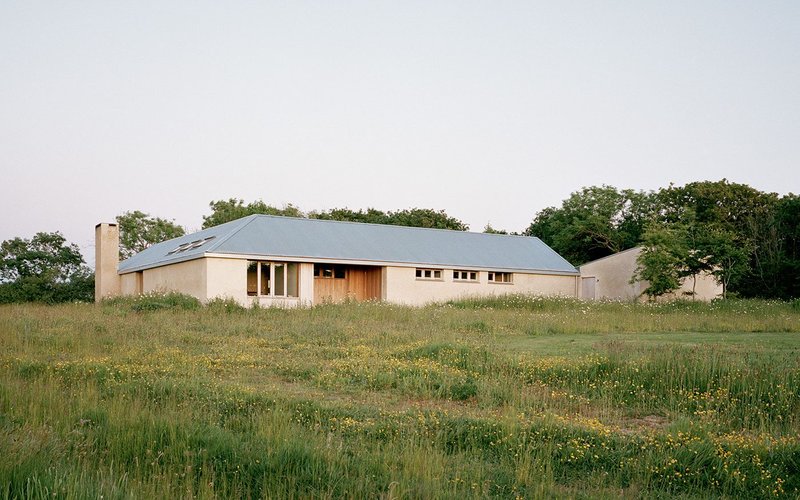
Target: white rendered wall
{"x":184,"y":277}
{"x":401,"y":286}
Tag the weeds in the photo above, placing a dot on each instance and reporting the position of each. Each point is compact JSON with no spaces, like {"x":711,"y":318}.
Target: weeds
{"x":514,"y":396}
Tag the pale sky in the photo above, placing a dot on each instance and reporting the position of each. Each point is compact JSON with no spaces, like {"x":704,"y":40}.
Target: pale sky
{"x":488,"y":110}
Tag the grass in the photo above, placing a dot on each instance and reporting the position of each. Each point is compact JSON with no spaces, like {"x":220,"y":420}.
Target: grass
{"x":507,"y":397}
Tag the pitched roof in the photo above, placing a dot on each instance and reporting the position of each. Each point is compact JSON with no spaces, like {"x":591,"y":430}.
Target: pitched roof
{"x":315,"y":239}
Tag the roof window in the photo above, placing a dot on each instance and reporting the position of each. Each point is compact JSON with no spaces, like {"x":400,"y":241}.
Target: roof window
{"x":191,"y":245}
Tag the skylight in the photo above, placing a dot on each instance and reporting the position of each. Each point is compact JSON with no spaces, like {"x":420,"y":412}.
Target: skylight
{"x":191,"y":245}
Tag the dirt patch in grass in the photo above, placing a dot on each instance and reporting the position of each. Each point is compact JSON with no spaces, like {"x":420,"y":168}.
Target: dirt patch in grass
{"x":635,"y":425}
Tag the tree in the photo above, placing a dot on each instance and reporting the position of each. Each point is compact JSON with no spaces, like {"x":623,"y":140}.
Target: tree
{"x":736,"y":221}
{"x":490,"y":230}
{"x":370,"y":215}
{"x":43,"y":269}
{"x":426,"y":217}
{"x":137,"y":231}
{"x":227,"y":210}
{"x":594,"y":222}
{"x":729,"y":256}
{"x":660,"y":261}
{"x":415,"y":217}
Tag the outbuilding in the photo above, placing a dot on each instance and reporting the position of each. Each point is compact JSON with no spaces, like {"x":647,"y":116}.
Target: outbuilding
{"x":612,"y":278}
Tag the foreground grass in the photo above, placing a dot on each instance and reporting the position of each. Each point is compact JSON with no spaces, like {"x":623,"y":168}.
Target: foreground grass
{"x":495,"y":397}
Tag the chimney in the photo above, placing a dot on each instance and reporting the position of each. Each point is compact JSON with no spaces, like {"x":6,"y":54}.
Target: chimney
{"x":106,"y":261}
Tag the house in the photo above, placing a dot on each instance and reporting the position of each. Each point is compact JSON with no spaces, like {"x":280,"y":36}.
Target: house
{"x":610,"y":278}
{"x":288,"y":261}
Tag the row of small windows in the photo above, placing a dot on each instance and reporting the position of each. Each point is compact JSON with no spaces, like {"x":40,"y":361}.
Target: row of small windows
{"x":463,"y":275}
{"x":429,"y":274}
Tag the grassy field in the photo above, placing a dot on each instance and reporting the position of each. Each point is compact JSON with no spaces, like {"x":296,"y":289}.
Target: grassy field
{"x":514,"y":397}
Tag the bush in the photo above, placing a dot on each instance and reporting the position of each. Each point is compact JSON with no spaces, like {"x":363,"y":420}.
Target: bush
{"x":227,"y":305}
{"x":155,"y":301}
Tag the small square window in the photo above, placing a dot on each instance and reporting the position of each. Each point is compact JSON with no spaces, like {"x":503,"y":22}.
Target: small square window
{"x":429,"y":274}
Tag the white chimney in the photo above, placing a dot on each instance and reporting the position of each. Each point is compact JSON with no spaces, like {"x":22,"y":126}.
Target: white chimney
{"x":106,"y":261}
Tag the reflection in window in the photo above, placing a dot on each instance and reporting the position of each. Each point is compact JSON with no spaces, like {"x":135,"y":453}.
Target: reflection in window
{"x":265,"y":279}
{"x":335,"y":271}
{"x":252,"y":279}
{"x":280,"y":275}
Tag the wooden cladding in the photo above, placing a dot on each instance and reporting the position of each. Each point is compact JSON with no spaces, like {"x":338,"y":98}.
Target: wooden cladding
{"x":358,"y":283}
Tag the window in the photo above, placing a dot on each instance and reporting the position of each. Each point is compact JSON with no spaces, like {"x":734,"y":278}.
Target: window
{"x":335,"y":271}
{"x":429,"y":274}
{"x":459,"y":275}
{"x":272,"y":279}
{"x":191,"y":245}
{"x":500,"y":277}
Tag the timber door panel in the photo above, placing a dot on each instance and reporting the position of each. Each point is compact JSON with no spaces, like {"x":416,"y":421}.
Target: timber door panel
{"x":360,"y":283}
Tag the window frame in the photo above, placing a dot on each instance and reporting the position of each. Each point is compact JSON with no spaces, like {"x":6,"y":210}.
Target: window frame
{"x":272,"y":286}
{"x":469,"y":273}
{"x":320,"y":270}
{"x":432,"y":274}
{"x":492,"y":278}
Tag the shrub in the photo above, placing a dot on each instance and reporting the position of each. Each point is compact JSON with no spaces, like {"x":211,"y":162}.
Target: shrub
{"x":154,"y":301}
{"x":227,"y":305}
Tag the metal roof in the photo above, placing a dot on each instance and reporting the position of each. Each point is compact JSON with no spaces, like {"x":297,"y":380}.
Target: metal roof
{"x":315,"y":239}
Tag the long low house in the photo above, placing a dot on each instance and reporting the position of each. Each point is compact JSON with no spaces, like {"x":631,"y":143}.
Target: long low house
{"x":288,"y":261}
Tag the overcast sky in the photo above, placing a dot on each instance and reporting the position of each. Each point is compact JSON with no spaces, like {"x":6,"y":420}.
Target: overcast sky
{"x":488,"y":110}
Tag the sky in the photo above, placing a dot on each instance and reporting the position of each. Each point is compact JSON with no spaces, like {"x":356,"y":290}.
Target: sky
{"x":490,"y":111}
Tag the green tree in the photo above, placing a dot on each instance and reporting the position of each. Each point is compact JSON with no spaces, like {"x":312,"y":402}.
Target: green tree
{"x":490,"y":230}
{"x":137,"y":231}
{"x":426,"y":217}
{"x":223,"y":211}
{"x":43,"y":269}
{"x":736,"y":221}
{"x":729,"y":256}
{"x":660,"y":262}
{"x":415,"y":217}
{"x":370,"y":215}
{"x":594,"y":222}
{"x":787,"y":269}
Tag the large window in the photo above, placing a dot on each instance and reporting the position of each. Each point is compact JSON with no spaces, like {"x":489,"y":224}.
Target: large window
{"x":272,"y":279}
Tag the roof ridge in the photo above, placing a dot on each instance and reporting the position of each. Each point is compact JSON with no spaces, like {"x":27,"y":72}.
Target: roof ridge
{"x":312,"y":219}
{"x":220,"y":241}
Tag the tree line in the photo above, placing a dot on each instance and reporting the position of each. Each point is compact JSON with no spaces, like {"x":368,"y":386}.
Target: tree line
{"x":748,"y":239}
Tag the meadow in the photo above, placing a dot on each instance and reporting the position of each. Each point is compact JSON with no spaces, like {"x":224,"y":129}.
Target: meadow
{"x":515,"y":397}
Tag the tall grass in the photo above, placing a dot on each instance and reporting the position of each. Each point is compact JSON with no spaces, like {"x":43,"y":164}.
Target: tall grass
{"x":125,"y":400}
